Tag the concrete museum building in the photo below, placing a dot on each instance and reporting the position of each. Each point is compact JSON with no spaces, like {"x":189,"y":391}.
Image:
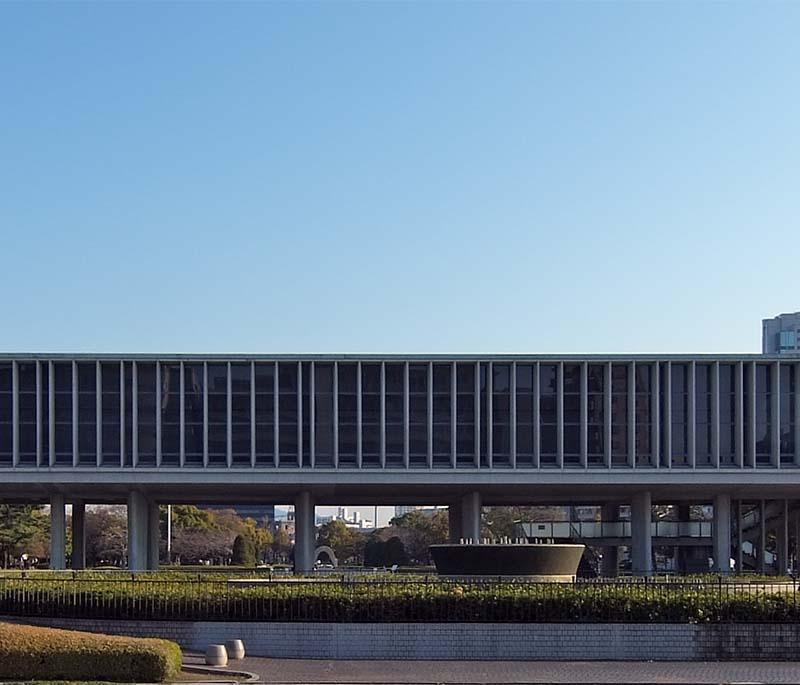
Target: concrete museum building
{"x":465,"y":431}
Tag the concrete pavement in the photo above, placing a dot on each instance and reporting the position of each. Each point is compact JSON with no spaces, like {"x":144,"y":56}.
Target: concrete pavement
{"x":310,"y":671}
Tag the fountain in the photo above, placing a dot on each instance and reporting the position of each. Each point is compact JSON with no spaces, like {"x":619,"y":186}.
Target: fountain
{"x":538,"y":560}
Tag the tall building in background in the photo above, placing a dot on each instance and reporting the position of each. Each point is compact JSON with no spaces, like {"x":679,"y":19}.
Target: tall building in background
{"x":781,"y":335}
{"x":400,"y":511}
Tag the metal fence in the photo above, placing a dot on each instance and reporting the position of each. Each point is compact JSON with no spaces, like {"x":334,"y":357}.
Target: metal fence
{"x":426,"y":599}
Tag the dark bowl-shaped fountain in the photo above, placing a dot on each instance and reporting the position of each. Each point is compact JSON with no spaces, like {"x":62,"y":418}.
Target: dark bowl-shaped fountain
{"x":540,"y":561}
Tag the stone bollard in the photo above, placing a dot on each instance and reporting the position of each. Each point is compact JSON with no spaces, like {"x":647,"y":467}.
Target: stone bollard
{"x":216,"y":655}
{"x":235,"y":649}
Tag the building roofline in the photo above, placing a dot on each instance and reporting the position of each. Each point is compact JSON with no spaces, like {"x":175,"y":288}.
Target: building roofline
{"x":9,"y":356}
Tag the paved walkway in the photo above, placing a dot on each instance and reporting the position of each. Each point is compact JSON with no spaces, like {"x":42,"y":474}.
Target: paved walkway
{"x":308,"y":671}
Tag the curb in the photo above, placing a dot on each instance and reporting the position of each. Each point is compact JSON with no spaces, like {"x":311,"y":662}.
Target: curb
{"x":241,"y":676}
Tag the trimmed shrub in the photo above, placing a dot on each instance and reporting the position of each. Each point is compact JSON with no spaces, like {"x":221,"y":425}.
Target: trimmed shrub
{"x":31,"y":653}
{"x":244,"y":552}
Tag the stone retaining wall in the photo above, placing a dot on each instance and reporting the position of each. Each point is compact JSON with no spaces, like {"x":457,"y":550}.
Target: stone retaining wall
{"x":468,"y":641}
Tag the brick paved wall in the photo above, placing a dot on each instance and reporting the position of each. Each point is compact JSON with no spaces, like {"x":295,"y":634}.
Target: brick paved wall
{"x":468,"y":641}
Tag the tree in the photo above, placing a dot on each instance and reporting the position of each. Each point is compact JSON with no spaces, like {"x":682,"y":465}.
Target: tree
{"x":281,"y":546}
{"x":260,"y":536}
{"x":106,"y":536}
{"x":243,"y":551}
{"x":418,"y":532}
{"x":21,"y":529}
{"x":346,"y":543}
{"x":374,"y":551}
{"x":395,"y":552}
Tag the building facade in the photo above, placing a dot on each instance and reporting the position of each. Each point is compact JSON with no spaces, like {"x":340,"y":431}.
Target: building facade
{"x":781,"y":335}
{"x":456,"y":430}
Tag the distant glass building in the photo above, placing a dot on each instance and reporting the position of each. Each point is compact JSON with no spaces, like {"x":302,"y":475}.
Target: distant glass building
{"x":781,"y":335}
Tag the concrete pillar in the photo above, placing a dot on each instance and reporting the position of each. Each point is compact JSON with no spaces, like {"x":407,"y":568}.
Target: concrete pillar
{"x":684,"y":515}
{"x":641,"y":534}
{"x":78,"y":535}
{"x":609,"y":566}
{"x":305,"y":533}
{"x":454,"y":516}
{"x":782,"y":540}
{"x":58,"y":537}
{"x":137,"y":531}
{"x":762,"y":535}
{"x":722,"y":533}
{"x":153,"y":536}
{"x":471,"y":516}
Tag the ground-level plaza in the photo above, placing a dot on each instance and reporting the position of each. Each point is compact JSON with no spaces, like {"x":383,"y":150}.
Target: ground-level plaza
{"x":466,"y":432}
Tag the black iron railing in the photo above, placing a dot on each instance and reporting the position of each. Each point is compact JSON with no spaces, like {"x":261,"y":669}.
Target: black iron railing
{"x":393,"y":599}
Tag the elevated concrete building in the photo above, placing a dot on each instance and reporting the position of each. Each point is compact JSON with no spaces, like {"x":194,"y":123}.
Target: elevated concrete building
{"x":465,"y":431}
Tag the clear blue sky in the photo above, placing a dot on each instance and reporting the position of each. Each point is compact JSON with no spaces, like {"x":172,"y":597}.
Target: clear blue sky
{"x":398,"y":177}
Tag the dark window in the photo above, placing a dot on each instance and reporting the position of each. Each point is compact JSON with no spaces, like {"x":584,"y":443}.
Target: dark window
{"x":395,"y":448}
{"x":788,"y":400}
{"x":619,"y":415}
{"x":288,"y":414}
{"x":6,"y":404}
{"x":548,"y":412}
{"x":596,"y":415}
{"x":87,"y":414}
{"x":110,"y":385}
{"x":442,"y":412}
{"x":727,"y":414}
{"x":146,"y":407}
{"x":63,"y":412}
{"x":193,"y":389}
{"x":418,"y":415}
{"x":323,"y":415}
{"x":680,"y":414}
{"x":240,"y":414}
{"x":764,"y":416}
{"x":643,"y":414}
{"x":348,"y":415}
{"x":572,"y":415}
{"x":170,"y":414}
{"x":265,"y":414}
{"x":465,"y":415}
{"x":371,"y":412}
{"x":703,"y":414}
{"x":525,"y":399}
{"x":27,"y":413}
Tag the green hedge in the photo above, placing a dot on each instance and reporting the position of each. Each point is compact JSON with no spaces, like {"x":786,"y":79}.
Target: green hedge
{"x":406,"y":601}
{"x":31,"y":653}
